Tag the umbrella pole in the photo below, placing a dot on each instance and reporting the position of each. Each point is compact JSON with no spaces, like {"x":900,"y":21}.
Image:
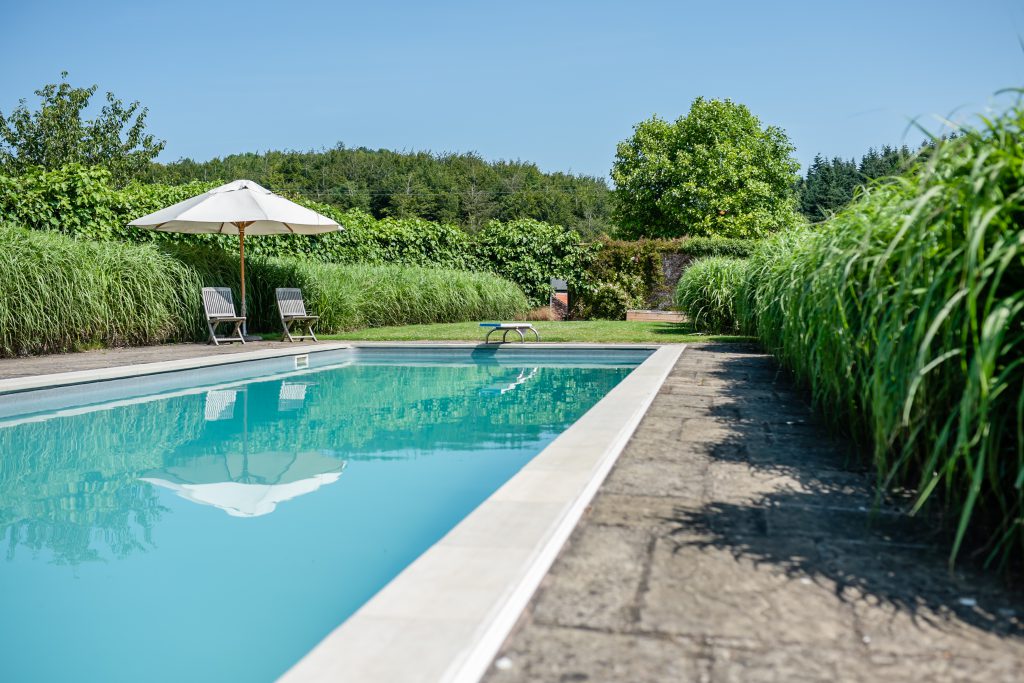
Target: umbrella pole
{"x":241,"y":266}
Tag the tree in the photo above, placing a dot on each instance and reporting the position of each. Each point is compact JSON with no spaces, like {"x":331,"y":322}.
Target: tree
{"x":56,"y":134}
{"x":887,"y":162}
{"x":716,"y":171}
{"x":831,"y":185}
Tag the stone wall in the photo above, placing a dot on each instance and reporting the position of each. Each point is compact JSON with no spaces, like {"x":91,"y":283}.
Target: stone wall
{"x":672,"y":267}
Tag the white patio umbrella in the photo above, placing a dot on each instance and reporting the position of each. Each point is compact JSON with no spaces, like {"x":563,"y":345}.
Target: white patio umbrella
{"x":238,"y":208}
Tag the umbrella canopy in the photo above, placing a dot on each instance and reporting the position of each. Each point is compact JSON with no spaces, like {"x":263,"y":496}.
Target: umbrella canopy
{"x":238,"y":208}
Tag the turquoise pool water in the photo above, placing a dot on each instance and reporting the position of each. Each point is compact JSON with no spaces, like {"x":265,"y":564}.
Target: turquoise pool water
{"x":217,"y":533}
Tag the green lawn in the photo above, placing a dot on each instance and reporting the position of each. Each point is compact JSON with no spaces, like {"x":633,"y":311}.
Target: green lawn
{"x":595,"y":331}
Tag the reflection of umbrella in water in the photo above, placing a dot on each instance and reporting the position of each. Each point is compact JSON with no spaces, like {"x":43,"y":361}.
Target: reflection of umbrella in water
{"x":246,"y":484}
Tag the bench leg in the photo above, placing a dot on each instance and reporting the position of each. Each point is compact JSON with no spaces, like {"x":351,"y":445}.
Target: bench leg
{"x":487,"y":339}
{"x":535,"y":332}
{"x":522,"y":338}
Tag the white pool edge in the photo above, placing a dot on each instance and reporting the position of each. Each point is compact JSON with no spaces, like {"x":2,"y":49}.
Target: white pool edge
{"x":32,"y":382}
{"x":445,"y":616}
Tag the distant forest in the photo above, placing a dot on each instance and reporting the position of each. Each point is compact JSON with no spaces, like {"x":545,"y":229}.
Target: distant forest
{"x":462,"y":189}
{"x":468,"y":191}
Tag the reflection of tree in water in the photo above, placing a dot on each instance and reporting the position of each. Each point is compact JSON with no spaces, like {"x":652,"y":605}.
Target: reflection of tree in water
{"x":71,"y":485}
{"x":117,"y":517}
{"x":70,"y":482}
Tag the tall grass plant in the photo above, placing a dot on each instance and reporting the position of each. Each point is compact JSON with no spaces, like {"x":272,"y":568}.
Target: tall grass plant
{"x":905,"y":316}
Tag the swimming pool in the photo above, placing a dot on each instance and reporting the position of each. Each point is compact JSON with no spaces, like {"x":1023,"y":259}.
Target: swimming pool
{"x":216,"y":524}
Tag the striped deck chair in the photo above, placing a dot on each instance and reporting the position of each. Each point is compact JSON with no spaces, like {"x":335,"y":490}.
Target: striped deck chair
{"x":220,"y":308}
{"x":293,"y":312}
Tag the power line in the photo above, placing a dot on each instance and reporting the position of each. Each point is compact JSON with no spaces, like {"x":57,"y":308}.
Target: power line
{"x":439,"y":193}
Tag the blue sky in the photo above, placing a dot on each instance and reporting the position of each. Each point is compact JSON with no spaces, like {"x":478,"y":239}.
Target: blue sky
{"x":557,"y":83}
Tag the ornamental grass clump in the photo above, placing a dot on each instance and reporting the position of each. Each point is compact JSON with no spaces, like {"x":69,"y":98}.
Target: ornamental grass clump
{"x":905,"y":315}
{"x":708,"y":291}
{"x":348,"y":297}
{"x":60,"y":294}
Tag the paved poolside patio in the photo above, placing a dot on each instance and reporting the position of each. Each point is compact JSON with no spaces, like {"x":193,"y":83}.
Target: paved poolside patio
{"x":733,"y":541}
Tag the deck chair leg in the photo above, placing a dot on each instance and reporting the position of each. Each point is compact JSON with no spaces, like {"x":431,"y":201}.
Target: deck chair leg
{"x":309,"y":328}
{"x":212,"y":327}
{"x":238,"y":333}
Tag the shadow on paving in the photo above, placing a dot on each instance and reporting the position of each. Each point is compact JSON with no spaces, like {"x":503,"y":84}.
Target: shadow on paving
{"x":827,"y":525}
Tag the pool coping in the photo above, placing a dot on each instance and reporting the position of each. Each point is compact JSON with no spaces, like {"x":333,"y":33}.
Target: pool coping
{"x":48,"y":381}
{"x":445,"y":616}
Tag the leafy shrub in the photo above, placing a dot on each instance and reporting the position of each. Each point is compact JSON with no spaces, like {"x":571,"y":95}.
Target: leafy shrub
{"x":905,"y":315}
{"x":637,"y":267}
{"x":604,"y":301}
{"x":698,"y":247}
{"x":633,"y":267}
{"x":708,"y":293}
{"x":529,"y":253}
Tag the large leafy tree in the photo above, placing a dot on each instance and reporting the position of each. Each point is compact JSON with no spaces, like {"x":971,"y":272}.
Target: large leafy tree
{"x":57,"y":133}
{"x":716,"y":171}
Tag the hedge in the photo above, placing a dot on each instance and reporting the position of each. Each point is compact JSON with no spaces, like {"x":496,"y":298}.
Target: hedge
{"x":82,"y":202}
{"x":630,"y":274}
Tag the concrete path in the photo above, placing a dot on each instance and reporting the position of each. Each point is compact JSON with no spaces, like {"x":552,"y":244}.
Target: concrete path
{"x":733,"y":543}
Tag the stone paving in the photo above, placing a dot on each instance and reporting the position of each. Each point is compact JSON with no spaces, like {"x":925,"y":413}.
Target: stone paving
{"x":734,"y":541}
